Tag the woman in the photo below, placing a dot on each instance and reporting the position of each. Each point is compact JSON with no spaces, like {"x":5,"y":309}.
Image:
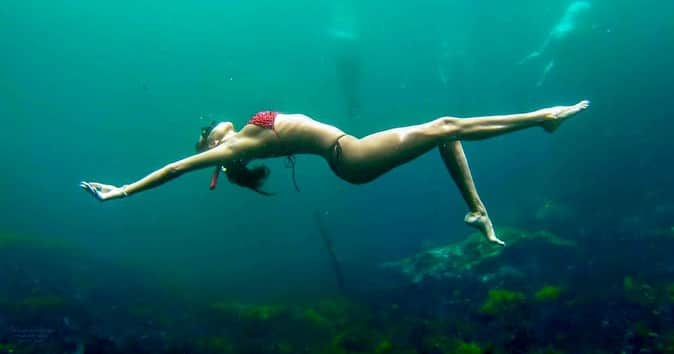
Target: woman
{"x":272,"y":134}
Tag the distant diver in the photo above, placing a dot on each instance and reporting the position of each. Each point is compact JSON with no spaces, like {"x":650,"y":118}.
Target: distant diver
{"x":272,"y":134}
{"x":566,"y":26}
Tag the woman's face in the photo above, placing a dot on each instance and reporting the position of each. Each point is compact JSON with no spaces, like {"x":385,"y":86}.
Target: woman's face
{"x":219,"y":133}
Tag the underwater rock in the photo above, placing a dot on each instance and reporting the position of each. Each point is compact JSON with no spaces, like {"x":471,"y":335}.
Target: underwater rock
{"x":458,"y":259}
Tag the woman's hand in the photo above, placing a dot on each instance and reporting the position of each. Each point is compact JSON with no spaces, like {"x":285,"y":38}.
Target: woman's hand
{"x":103,"y":192}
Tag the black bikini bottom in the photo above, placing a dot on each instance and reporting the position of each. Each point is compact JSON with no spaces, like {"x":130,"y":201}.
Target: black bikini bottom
{"x":334,"y":159}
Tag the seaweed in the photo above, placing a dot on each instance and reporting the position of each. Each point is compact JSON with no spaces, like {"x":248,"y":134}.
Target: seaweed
{"x":548,"y":293}
{"x":501,"y":302}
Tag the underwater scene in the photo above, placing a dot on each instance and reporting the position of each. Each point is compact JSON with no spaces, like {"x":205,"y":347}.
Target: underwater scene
{"x":318,"y":261}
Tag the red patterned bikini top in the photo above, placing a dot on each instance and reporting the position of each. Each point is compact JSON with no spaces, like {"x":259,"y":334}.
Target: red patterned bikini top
{"x":264,"y":119}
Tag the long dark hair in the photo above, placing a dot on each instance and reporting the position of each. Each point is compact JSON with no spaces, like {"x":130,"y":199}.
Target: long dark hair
{"x":238,"y":171}
{"x":253,"y":178}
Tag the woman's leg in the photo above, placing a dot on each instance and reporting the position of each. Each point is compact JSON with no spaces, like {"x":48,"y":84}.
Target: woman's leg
{"x":363,"y":160}
{"x":457,"y":164}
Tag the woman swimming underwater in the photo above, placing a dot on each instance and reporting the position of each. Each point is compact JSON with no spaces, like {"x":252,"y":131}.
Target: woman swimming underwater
{"x":272,"y":134}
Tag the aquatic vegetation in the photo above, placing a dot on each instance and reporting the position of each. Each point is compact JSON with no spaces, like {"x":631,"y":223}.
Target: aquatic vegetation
{"x":339,"y":311}
{"x":140,"y":310}
{"x":313,"y":318}
{"x":7,"y":348}
{"x":436,"y":344}
{"x":628,"y":283}
{"x":354,"y":340}
{"x":667,"y":343}
{"x":149,"y":312}
{"x":642,"y":330}
{"x":247,"y":311}
{"x":4,"y":299}
{"x":8,"y":241}
{"x":669,"y":289}
{"x":43,"y":303}
{"x":285,"y":348}
{"x":639,"y":291}
{"x":548,"y":293}
{"x":667,"y":232}
{"x":387,"y":325}
{"x":501,"y":301}
{"x":384,"y":347}
{"x":648,"y":295}
{"x":548,"y":351}
{"x":467,"y":348}
{"x":218,"y":345}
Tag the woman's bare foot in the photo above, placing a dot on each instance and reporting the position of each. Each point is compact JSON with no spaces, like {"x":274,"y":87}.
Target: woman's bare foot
{"x":480,"y":221}
{"x":556,"y":115}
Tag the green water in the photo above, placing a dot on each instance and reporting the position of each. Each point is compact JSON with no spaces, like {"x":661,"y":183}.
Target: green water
{"x":110,"y":91}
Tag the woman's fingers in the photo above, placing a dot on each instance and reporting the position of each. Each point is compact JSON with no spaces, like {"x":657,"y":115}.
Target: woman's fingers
{"x":92,"y":188}
{"x":100,"y":187}
{"x":87,"y":186}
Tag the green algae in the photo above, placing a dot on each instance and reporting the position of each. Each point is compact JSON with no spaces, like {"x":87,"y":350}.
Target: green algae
{"x":247,"y":311}
{"x":628,"y":283}
{"x":354,"y":340}
{"x":339,"y":310}
{"x":285,"y":348}
{"x":548,"y":293}
{"x":140,"y":310}
{"x":667,"y":344}
{"x":384,"y":347}
{"x":640,"y":292}
{"x":501,"y":301}
{"x":219,"y":345}
{"x":645,"y":294}
{"x":43,"y":303}
{"x":315,"y":319}
{"x":149,"y":312}
{"x":669,"y":290}
{"x":467,"y":348}
{"x":4,"y":299}
{"x":7,"y":348}
{"x":10,"y":241}
{"x":549,"y":351}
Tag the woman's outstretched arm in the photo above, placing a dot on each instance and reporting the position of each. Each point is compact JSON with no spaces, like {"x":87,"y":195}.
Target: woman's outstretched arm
{"x":219,"y":155}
